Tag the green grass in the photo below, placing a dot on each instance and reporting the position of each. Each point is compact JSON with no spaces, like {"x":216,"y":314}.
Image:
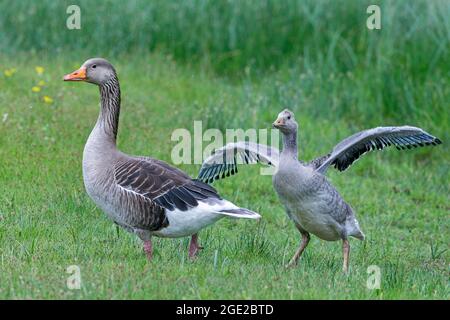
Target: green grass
{"x":403,"y":67}
{"x":229,"y":35}
{"x":231,"y":64}
{"x":47,"y":222}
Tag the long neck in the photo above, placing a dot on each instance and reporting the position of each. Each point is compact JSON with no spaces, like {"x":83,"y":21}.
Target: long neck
{"x":290,"y":144}
{"x":108,"y":119}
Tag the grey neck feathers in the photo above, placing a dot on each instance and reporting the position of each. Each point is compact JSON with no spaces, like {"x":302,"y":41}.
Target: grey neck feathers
{"x":290,"y":144}
{"x":108,"y":120}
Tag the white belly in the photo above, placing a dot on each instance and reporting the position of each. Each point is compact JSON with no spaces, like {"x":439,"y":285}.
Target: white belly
{"x":186,"y":223}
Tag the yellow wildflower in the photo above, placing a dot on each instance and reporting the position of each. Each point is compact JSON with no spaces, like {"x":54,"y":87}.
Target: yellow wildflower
{"x":41,"y":83}
{"x":9,"y":72}
{"x":47,"y":99}
{"x":39,"y":69}
{"x":36,"y":89}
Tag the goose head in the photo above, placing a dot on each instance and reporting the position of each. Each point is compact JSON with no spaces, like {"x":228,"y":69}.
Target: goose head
{"x":96,"y":70}
{"x":285,"y":122}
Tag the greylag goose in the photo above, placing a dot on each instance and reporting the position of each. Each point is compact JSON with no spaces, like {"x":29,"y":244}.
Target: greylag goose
{"x":143,"y":195}
{"x":310,"y":200}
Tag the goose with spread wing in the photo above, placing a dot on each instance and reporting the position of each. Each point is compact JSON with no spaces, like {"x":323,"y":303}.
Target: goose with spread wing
{"x":310,"y":200}
{"x":143,"y":195}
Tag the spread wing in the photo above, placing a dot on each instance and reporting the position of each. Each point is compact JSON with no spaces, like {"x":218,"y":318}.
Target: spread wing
{"x":350,"y":149}
{"x":161,"y":183}
{"x":223,"y":162}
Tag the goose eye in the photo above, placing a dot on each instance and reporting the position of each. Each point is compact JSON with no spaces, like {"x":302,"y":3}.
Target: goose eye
{"x":289,"y":117}
{"x":94,"y":66}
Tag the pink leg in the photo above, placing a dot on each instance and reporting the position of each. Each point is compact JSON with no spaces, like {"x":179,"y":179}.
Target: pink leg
{"x":346,"y":253}
{"x":194,"y":248}
{"x":148,"y":249}
{"x":301,"y":248}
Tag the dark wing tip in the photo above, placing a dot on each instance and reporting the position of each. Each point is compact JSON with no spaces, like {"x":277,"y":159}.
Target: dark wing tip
{"x":205,"y":174}
{"x":401,"y":140}
{"x":186,"y":196}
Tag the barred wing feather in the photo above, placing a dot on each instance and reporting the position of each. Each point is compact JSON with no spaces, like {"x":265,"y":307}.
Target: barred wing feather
{"x":223,"y":162}
{"x":352,"y":148}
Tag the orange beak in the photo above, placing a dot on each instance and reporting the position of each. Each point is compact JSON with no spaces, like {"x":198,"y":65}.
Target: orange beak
{"x":78,"y":75}
{"x":278,"y":122}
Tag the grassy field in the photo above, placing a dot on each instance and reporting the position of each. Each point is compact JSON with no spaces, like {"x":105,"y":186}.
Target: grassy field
{"x":361,"y":80}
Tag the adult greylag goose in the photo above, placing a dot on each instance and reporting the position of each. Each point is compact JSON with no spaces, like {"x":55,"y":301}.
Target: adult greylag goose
{"x":143,"y":195}
{"x":310,"y":200}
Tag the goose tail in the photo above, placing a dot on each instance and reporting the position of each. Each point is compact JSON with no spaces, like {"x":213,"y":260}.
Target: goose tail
{"x":240,"y":213}
{"x":359,"y":235}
